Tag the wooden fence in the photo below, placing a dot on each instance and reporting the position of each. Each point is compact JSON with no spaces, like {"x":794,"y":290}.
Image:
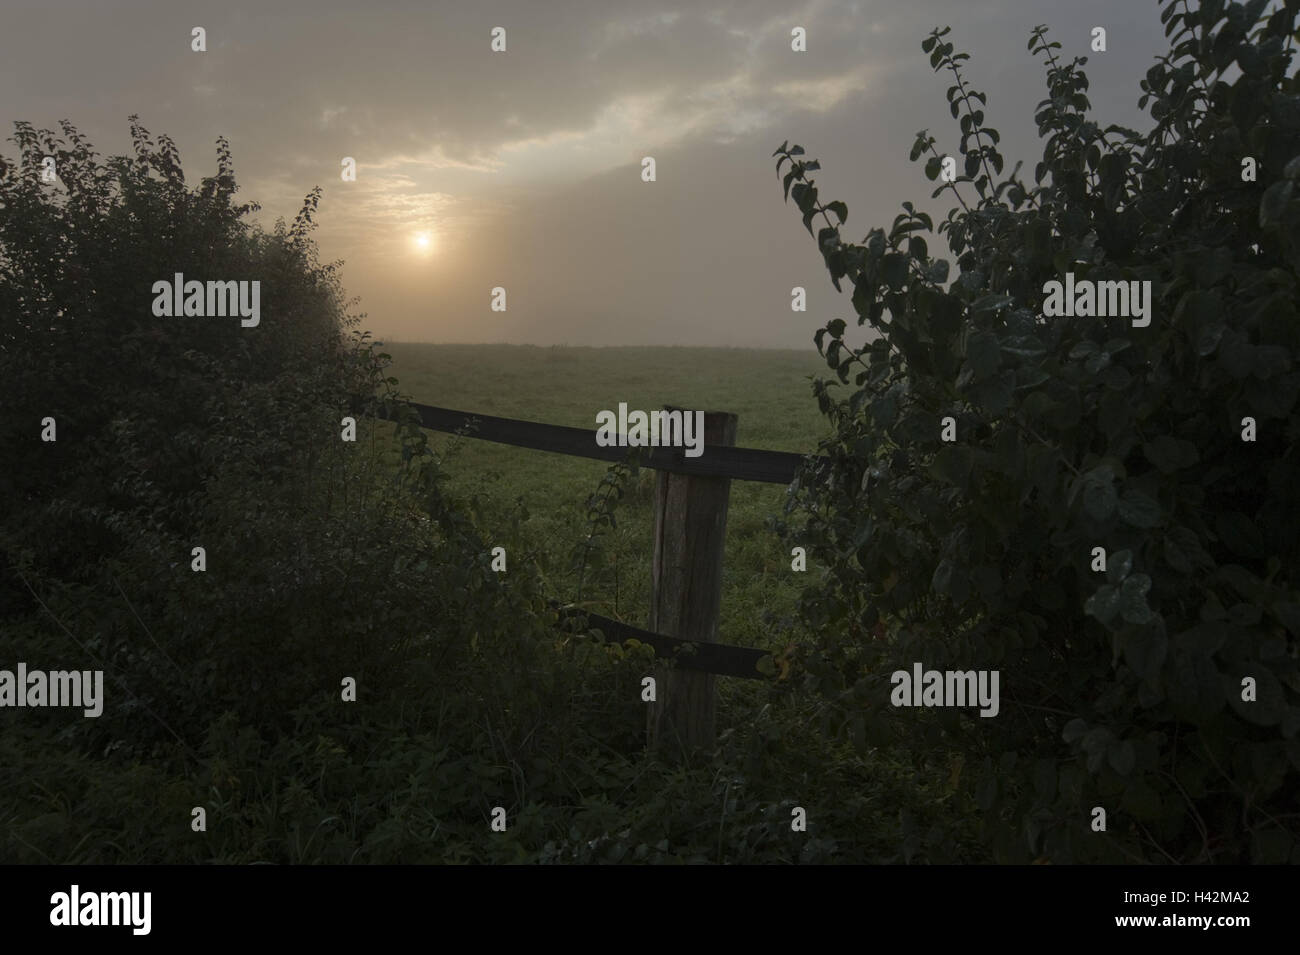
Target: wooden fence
{"x":690,"y":518}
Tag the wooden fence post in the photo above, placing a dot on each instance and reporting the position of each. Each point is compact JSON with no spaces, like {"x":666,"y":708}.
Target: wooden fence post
{"x":690,"y":527}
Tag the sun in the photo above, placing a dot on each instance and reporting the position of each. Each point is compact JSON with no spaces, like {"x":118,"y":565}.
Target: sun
{"x":423,"y":242}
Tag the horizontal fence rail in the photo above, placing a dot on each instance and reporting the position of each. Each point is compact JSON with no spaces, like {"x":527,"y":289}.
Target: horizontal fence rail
{"x":719,"y":658}
{"x":742,"y":464}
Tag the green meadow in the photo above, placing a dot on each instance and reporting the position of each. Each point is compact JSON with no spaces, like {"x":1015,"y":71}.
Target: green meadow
{"x":770,"y":391}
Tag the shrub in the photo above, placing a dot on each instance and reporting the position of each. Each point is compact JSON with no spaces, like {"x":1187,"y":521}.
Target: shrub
{"x":1121,"y":689}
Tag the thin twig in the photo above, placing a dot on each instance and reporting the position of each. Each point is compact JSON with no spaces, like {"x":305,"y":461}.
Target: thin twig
{"x":142,"y":624}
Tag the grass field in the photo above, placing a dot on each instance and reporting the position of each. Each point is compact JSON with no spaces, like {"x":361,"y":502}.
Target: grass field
{"x":770,"y":391}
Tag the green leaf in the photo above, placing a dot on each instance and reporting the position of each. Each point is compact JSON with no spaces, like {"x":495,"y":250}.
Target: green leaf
{"x":1096,"y":362}
{"x":992,"y":302}
{"x":994,"y":394}
{"x":1104,"y":604}
{"x":1208,"y":337}
{"x":1133,"y":599}
{"x":808,"y":218}
{"x":1176,"y":558}
{"x":1288,"y":614}
{"x":893,"y":269}
{"x":1272,"y":207}
{"x":1099,"y":500}
{"x":1084,"y":349}
{"x":840,"y":209}
{"x":1097,"y":740}
{"x":1170,"y":454}
{"x":884,"y":411}
{"x":983,"y":354}
{"x":941,"y":582}
{"x":1139,"y":510}
{"x":1118,"y":566}
{"x":952,"y":463}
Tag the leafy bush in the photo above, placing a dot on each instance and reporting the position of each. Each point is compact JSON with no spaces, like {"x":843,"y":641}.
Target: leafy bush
{"x":1120,"y":689}
{"x":143,"y":406}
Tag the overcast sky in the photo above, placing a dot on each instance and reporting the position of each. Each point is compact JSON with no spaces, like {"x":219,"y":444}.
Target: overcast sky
{"x":523,"y":169}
